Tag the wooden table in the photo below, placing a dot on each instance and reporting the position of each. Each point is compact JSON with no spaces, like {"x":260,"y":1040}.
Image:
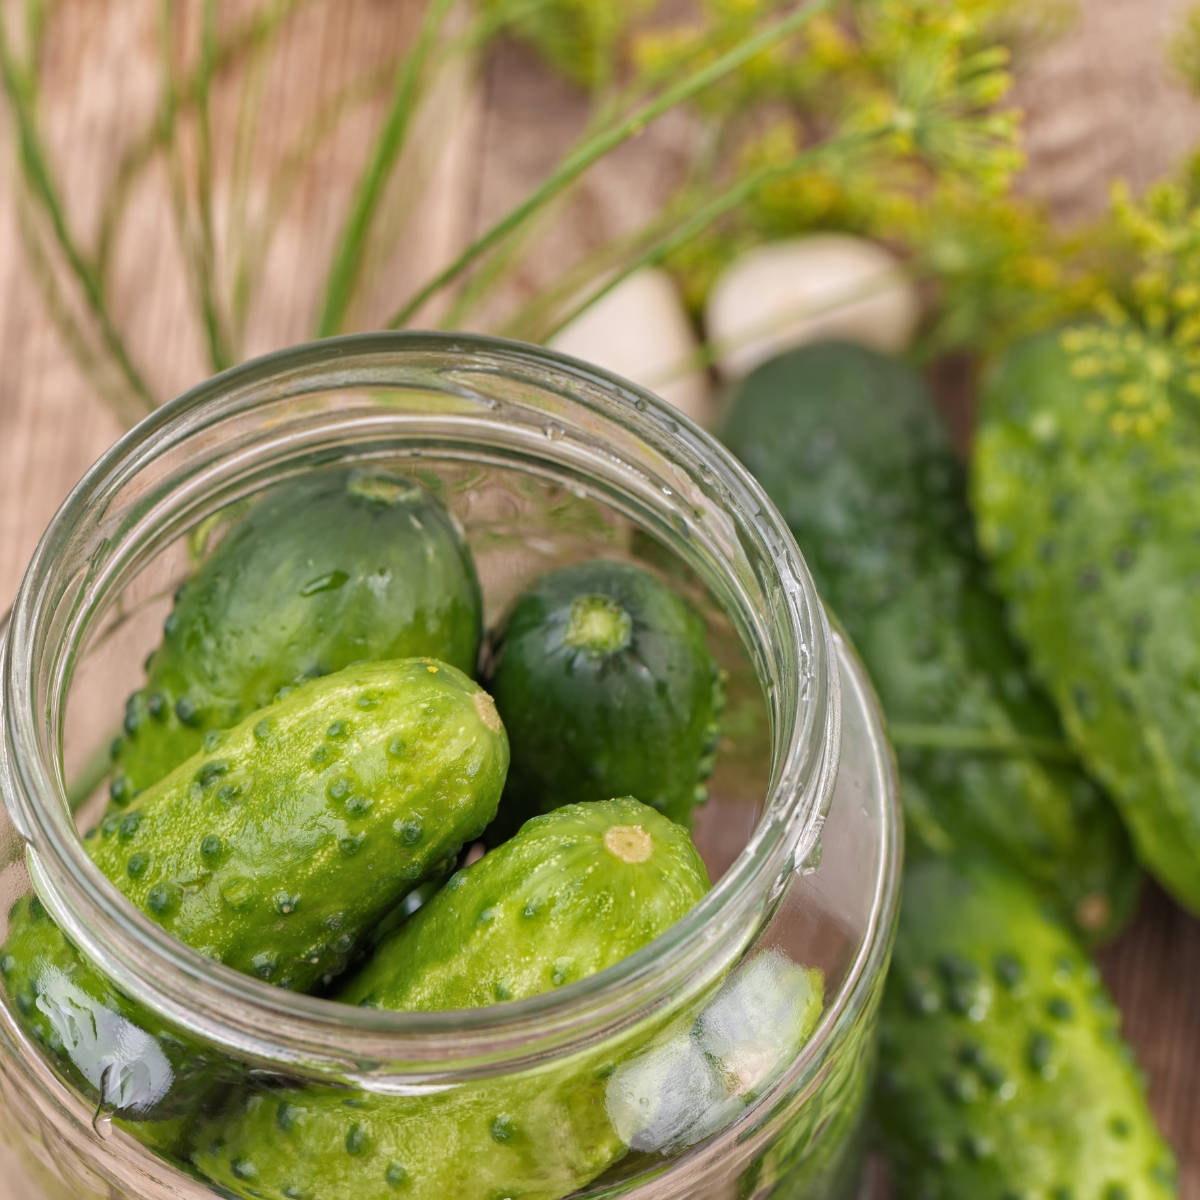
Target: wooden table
{"x":1100,"y":104}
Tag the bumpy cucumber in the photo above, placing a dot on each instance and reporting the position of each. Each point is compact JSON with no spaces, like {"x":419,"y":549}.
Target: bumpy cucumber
{"x":1002,"y":1069}
{"x":1086,"y":493}
{"x":572,"y":893}
{"x":849,"y":447}
{"x":298,"y":829}
{"x":276,"y":851}
{"x":334,"y":568}
{"x":607,"y":688}
{"x":111,"y":1048}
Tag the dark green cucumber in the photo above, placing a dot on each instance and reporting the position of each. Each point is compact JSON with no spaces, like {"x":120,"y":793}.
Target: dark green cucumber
{"x":275,"y":852}
{"x":330,"y":569}
{"x":572,"y":893}
{"x":607,"y":688}
{"x":1002,"y":1070}
{"x":1086,"y":487}
{"x":848,"y":445}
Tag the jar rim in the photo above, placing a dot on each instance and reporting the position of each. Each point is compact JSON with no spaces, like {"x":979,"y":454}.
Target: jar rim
{"x":107,"y":926}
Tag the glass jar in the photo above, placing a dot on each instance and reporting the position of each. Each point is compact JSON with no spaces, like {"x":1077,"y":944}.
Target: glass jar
{"x":684,"y":1053}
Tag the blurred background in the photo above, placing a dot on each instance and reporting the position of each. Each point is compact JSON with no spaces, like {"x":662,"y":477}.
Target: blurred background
{"x":185,"y":185}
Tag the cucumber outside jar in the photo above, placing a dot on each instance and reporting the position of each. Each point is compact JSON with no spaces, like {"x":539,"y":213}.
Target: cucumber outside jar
{"x":727,"y":1057}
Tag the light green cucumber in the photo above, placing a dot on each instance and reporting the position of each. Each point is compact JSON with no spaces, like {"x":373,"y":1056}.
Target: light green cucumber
{"x":1002,"y":1069}
{"x":1086,"y":485}
{"x":275,"y":852}
{"x":329,"y":569}
{"x":572,"y":893}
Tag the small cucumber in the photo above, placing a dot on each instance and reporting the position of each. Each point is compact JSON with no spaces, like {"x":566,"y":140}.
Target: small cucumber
{"x":1086,"y":485}
{"x":300,"y":828}
{"x":111,"y":1048}
{"x":847,"y":442}
{"x":572,"y":893}
{"x":607,"y":688}
{"x":1002,"y":1070}
{"x":333,"y":568}
{"x":277,"y":850}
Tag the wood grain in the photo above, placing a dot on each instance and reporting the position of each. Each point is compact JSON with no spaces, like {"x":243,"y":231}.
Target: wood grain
{"x":1100,"y":105}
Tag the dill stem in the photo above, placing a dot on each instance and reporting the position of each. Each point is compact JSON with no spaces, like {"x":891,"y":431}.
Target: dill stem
{"x":598,"y":145}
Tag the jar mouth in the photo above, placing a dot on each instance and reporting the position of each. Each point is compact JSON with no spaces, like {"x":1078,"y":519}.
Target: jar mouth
{"x":55,"y":606}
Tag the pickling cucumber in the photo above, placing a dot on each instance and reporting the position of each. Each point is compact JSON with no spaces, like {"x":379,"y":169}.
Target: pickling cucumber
{"x":1086,"y":485}
{"x":849,"y":446}
{"x":1002,"y":1069}
{"x":275,"y":851}
{"x":330,"y":569}
{"x":607,"y":688}
{"x":574,"y":891}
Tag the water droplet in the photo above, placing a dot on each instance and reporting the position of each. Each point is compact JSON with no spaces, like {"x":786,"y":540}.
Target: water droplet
{"x":237,"y":891}
{"x":324,"y":583}
{"x":553,"y":431}
{"x":356,"y":1140}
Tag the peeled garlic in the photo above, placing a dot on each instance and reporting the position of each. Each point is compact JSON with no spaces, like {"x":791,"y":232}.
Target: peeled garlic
{"x":641,"y":331}
{"x":786,"y":293}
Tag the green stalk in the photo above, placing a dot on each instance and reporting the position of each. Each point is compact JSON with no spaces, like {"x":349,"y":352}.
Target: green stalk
{"x":191,"y":242}
{"x":348,"y":258}
{"x":245,"y":131}
{"x":115,"y":395}
{"x":285,"y":180}
{"x":593,"y":148}
{"x":218,"y":348}
{"x":683,"y":230}
{"x":534,"y":315}
{"x":251,"y":34}
{"x":978,"y":741}
{"x":40,"y":181}
{"x":492,"y":272}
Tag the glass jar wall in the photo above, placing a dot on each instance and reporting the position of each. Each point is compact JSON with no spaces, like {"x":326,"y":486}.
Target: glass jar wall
{"x":681,"y":1071}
